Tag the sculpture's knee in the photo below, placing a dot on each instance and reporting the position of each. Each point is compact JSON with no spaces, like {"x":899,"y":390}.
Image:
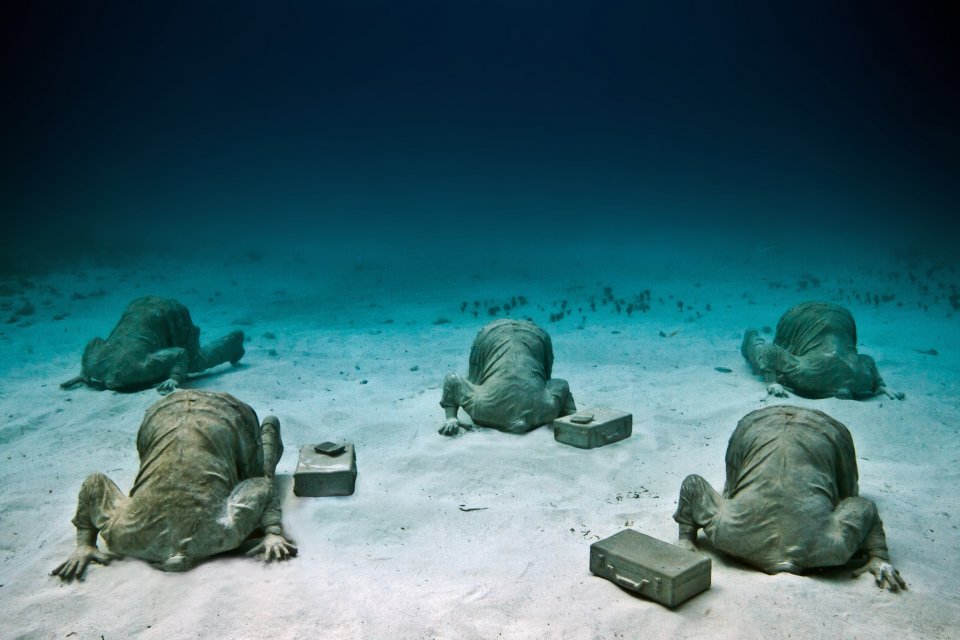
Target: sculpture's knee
{"x":692,"y":485}
{"x":97,"y":501}
{"x":451,"y":390}
{"x":93,"y":485}
{"x":451,"y":380}
{"x":271,"y":442}
{"x":750,"y":338}
{"x":696,"y":503}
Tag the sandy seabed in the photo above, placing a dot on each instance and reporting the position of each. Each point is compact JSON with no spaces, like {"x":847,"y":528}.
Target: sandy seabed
{"x":353,"y":346}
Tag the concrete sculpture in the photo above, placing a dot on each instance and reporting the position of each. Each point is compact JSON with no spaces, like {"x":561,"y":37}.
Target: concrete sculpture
{"x":791,"y":499}
{"x":814,"y":354}
{"x":205,"y":486}
{"x":155,"y":342}
{"x":508,"y":386}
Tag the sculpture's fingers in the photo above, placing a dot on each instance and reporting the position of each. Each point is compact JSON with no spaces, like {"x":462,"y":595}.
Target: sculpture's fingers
{"x":292,"y":549}
{"x":892,"y":579}
{"x":900,"y":581}
{"x":82,"y":568}
{"x":58,"y":569}
{"x":255,"y":551}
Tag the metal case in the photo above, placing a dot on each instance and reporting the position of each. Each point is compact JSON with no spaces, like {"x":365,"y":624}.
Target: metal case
{"x":652,"y":568}
{"x":593,"y":428}
{"x":319,"y":474}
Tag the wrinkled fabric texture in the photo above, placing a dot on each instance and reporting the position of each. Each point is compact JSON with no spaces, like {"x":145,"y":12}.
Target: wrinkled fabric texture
{"x":508,"y":385}
{"x":790,"y":501}
{"x":814,"y":353}
{"x":201,"y":488}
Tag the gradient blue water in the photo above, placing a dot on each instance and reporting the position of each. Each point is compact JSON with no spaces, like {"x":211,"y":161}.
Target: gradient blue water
{"x":129,"y":128}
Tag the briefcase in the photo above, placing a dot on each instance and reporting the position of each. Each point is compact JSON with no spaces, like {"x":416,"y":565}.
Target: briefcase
{"x":593,"y":428}
{"x":652,"y":568}
{"x":325,"y":470}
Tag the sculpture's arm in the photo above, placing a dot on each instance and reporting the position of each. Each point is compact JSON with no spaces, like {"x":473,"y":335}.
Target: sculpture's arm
{"x":878,"y":563}
{"x":88,"y":513}
{"x":85,"y":553}
{"x":764,"y":359}
{"x":451,"y":424}
{"x":273,"y":546}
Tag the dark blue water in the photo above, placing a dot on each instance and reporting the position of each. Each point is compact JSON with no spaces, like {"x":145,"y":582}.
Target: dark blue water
{"x":131,"y":129}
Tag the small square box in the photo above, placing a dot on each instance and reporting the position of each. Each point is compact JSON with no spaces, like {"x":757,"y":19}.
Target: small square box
{"x":652,"y":568}
{"x":319,"y":474}
{"x":593,"y":428}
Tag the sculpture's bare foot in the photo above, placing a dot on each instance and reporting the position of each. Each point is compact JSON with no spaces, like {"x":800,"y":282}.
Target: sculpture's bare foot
{"x":776,"y":389}
{"x":168,"y":386}
{"x":72,"y":383}
{"x":885,"y":575}
{"x":273,"y":547}
{"x":76,"y":565}
{"x":236,"y":339}
{"x":450,"y":428}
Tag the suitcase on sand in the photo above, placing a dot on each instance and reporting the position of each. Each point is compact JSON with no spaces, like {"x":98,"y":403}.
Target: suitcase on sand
{"x":652,"y":568}
{"x":593,"y":428}
{"x":323,"y":471}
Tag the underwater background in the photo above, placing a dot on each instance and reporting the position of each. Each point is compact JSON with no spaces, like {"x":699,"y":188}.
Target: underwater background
{"x":131,"y":128}
{"x":360,"y":186}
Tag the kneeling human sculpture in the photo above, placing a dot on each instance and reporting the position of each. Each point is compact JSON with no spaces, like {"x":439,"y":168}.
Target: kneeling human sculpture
{"x":508,"y":386}
{"x":155,"y":342}
{"x":814,"y":354}
{"x":791,"y":499}
{"x":205,"y":486}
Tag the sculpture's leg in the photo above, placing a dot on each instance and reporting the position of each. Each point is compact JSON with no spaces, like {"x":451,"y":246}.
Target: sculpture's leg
{"x":253,"y":503}
{"x":855,"y":525}
{"x":229,"y":348}
{"x":271,"y":443}
{"x":560,"y":390}
{"x":697,"y":508}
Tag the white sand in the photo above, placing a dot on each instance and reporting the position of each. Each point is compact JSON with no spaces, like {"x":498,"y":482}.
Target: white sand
{"x":399,"y":559}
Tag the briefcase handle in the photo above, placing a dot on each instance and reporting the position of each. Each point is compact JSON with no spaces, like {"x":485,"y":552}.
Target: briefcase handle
{"x":631,"y":584}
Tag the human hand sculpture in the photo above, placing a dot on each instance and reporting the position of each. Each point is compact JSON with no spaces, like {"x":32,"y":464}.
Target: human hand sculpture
{"x":273,"y":547}
{"x":776,"y":389}
{"x":885,"y":575}
{"x":167,"y":386}
{"x":893,"y":395}
{"x":450,"y":428}
{"x":76,"y":565}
